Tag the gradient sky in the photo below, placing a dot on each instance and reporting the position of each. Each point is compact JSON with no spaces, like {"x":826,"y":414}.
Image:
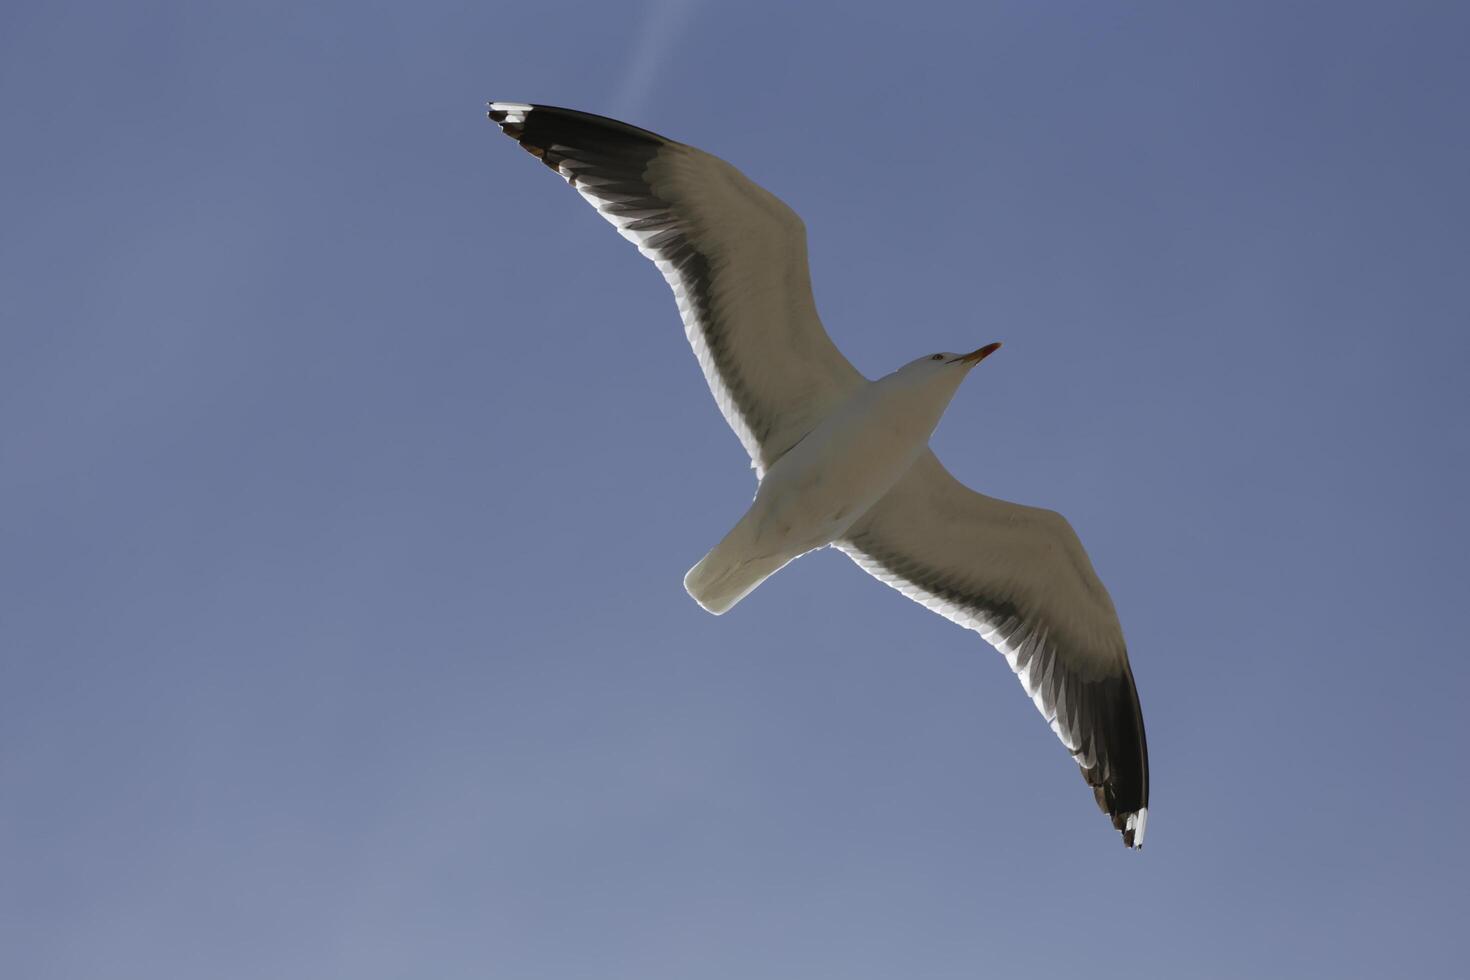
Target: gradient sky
{"x":349,"y":467}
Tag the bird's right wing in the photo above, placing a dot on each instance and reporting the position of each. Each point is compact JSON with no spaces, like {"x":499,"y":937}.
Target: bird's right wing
{"x":734,"y":254}
{"x":1018,"y":576}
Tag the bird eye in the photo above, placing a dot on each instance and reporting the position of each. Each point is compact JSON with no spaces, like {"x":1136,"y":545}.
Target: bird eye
{"x":937,"y":357}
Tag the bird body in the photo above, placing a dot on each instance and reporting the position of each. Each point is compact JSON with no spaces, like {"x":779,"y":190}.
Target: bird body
{"x":818,"y":489}
{"x":844,"y":461}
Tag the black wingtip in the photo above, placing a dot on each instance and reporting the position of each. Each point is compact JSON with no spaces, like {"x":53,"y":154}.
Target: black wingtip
{"x":1115,"y":762}
{"x":567,"y":122}
{"x":506,"y":113}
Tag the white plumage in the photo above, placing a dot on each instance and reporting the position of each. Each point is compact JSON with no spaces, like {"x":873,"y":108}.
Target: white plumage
{"x":844,"y":461}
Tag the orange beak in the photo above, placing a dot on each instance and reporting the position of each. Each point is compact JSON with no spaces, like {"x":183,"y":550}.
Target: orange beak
{"x":976,"y":356}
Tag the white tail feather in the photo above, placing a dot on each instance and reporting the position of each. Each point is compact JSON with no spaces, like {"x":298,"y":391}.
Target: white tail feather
{"x":724,"y":576}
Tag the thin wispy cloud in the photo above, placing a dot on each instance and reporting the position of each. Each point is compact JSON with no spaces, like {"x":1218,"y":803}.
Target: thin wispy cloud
{"x":664,"y":22}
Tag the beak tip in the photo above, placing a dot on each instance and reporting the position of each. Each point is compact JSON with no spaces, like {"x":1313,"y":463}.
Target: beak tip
{"x":980,"y":354}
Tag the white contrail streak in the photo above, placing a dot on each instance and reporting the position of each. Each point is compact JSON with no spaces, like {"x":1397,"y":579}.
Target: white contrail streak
{"x":663,"y":22}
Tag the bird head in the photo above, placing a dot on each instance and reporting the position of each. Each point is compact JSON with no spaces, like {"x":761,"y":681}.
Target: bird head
{"x":945,"y":364}
{"x":933,"y":379}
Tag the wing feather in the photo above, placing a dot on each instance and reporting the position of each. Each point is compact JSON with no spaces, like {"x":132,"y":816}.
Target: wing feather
{"x":733,"y":253}
{"x":1020,"y":578}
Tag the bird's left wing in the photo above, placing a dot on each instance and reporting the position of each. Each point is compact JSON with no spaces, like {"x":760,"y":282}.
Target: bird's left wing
{"x":1019,"y":577}
{"x":733,"y":253}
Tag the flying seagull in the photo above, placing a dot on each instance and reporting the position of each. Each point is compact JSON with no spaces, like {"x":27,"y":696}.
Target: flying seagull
{"x":844,"y":461}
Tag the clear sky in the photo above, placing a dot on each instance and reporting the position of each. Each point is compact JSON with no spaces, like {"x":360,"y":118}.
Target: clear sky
{"x":350,"y":464}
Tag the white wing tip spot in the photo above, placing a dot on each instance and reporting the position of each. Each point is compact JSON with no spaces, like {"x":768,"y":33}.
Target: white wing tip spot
{"x":1134,"y":827}
{"x":514,"y":112}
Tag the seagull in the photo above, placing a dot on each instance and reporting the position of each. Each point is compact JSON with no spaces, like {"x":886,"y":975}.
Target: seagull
{"x":843,"y":461}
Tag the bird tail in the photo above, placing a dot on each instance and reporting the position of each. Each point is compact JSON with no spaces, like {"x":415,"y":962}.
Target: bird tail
{"x":726,"y":575}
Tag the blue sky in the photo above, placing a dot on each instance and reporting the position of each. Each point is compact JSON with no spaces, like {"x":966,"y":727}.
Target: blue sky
{"x":350,"y":466}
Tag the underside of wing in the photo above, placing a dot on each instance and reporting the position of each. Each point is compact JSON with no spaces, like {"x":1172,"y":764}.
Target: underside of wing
{"x":734,"y":255}
{"x":1019,"y":577}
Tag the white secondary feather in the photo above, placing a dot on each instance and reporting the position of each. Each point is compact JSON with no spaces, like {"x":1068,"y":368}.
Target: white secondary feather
{"x":735,"y":257}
